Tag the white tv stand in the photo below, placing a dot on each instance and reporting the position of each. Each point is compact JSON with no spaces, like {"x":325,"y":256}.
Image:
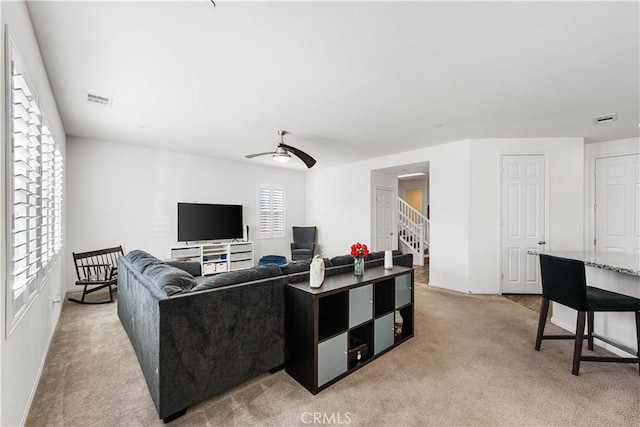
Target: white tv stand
{"x":217,"y":257}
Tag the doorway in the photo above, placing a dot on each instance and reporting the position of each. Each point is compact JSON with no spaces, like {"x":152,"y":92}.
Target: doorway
{"x":524,"y":222}
{"x":384,"y":219}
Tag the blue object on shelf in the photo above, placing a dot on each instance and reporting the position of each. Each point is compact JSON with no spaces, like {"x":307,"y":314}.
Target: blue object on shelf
{"x":273,"y":259}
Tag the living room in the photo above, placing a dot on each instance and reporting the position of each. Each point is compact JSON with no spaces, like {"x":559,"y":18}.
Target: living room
{"x":518,"y":78}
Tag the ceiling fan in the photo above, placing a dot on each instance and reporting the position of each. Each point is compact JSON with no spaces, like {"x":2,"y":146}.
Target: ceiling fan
{"x":283,"y":152}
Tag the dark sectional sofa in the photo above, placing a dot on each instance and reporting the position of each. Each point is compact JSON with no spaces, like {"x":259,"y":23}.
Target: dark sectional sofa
{"x":197,"y":336}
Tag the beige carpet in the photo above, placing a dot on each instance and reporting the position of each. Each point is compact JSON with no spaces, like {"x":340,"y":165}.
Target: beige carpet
{"x":471,"y":362}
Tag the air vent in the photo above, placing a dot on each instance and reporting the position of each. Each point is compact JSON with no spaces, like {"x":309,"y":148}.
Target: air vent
{"x":607,"y":118}
{"x":98,"y":100}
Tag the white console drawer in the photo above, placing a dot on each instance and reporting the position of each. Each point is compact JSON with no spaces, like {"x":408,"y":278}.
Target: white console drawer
{"x":241,"y":247}
{"x":185,"y":252}
{"x":237,"y":265}
{"x":242,"y":256}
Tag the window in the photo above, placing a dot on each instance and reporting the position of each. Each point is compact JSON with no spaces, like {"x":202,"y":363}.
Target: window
{"x":35,"y":198}
{"x":271,"y":211}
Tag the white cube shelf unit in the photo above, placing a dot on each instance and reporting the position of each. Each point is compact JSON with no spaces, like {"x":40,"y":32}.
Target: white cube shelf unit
{"x":217,"y":257}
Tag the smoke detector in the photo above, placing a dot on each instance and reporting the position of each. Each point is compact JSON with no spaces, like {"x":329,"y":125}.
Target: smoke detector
{"x":98,"y":100}
{"x":607,"y":118}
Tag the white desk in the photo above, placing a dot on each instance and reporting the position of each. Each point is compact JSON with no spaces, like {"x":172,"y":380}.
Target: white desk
{"x":617,"y":272}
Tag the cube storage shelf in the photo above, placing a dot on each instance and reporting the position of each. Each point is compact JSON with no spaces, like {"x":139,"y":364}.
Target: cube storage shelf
{"x":217,"y":257}
{"x":347,"y":322}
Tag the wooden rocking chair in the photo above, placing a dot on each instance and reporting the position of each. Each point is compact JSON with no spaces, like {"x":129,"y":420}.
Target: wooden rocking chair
{"x":97,"y":270}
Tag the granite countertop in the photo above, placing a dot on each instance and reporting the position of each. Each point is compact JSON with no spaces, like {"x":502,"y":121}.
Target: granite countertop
{"x":625,"y":263}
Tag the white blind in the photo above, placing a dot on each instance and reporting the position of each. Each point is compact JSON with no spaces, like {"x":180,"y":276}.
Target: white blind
{"x":35,"y":175}
{"x":271,"y":211}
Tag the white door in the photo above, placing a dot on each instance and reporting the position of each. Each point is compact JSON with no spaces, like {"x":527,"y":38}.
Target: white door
{"x":617,"y":204}
{"x":523,"y":222}
{"x":384,"y":219}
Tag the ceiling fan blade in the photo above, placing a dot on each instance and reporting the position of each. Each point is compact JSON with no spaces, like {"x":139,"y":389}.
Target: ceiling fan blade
{"x":251,"y":156}
{"x":307,"y":159}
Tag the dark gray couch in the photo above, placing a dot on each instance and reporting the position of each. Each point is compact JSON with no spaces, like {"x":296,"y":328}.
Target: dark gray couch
{"x":197,"y":336}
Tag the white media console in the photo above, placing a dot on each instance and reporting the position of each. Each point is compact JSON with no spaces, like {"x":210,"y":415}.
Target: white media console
{"x":217,"y":257}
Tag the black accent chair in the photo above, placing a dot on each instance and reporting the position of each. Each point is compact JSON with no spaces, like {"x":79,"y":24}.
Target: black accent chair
{"x":304,"y":243}
{"x":97,"y":270}
{"x":564,"y":282}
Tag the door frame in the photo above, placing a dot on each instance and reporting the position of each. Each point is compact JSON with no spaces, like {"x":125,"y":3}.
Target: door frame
{"x":394,"y":238}
{"x":591,"y":200}
{"x":500,"y":219}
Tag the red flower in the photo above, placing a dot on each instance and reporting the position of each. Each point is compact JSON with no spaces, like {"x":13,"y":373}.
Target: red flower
{"x":359,"y":250}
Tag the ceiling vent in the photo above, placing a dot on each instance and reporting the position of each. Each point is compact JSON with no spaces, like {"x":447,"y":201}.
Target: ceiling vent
{"x":98,"y":100}
{"x":607,"y":118}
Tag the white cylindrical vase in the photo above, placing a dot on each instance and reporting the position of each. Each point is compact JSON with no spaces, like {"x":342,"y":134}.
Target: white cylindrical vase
{"x":388,"y":260}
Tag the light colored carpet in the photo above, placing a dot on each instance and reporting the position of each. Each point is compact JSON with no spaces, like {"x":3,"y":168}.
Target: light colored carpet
{"x":471,"y":362}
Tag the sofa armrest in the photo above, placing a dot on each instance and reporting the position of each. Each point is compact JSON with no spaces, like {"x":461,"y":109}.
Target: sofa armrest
{"x":212,"y":340}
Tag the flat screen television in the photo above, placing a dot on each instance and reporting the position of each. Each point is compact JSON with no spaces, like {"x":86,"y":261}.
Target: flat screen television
{"x":201,"y":221}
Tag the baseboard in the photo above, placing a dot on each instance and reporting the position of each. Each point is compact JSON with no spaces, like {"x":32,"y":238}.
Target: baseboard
{"x":572,"y":329}
{"x":462,"y":291}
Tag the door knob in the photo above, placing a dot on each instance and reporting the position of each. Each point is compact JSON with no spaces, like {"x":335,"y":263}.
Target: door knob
{"x":542,"y":242}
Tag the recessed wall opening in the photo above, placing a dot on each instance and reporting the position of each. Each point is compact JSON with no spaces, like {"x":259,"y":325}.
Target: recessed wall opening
{"x":410,"y":219}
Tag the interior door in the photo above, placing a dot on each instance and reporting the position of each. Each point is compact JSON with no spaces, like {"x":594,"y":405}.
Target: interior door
{"x":384,"y":219}
{"x":523,"y":222}
{"x":617,"y":204}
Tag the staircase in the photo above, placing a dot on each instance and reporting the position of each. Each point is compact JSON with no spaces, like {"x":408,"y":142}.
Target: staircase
{"x":413,"y":232}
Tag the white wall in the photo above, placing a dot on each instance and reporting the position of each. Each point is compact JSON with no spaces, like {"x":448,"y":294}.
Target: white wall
{"x":339,"y":203}
{"x":125,"y":195}
{"x":23,"y":352}
{"x":464,"y":199}
{"x":421,"y":182}
{"x":593,"y":151}
{"x":565,"y":174}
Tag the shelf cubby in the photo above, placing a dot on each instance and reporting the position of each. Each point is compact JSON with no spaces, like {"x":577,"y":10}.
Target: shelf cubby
{"x":333,"y":315}
{"x":384,"y":294}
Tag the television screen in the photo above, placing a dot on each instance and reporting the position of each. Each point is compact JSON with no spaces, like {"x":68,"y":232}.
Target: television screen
{"x":199,"y":221}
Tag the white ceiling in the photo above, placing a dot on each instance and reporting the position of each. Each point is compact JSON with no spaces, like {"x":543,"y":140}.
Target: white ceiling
{"x":348,"y":80}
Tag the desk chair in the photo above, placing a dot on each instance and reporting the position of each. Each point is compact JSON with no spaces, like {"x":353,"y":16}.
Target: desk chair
{"x":564,"y":282}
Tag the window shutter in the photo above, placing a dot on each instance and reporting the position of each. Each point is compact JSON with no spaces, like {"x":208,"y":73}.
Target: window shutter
{"x":26,"y":168}
{"x":277,"y":219}
{"x":271,"y":211}
{"x":35,"y":176}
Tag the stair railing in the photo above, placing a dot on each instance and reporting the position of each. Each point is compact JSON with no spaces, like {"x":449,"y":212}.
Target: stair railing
{"x":413,"y":228}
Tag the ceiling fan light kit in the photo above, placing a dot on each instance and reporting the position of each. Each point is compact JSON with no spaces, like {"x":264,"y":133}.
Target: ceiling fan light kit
{"x":283,"y":153}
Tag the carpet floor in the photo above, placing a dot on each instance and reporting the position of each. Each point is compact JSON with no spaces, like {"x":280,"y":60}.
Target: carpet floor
{"x":471,"y":362}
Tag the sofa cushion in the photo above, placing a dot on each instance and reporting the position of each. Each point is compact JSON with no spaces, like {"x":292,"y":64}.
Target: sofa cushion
{"x":235,"y":277}
{"x":341,"y":260}
{"x":296,"y":266}
{"x":194,"y":268}
{"x":141,"y":260}
{"x":170,"y":279}
{"x":376,"y":255}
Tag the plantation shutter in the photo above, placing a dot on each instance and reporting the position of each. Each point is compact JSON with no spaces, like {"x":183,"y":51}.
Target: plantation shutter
{"x":58,"y":179}
{"x":26,"y":168}
{"x":271,"y":211}
{"x":48,"y":189}
{"x":35,"y":177}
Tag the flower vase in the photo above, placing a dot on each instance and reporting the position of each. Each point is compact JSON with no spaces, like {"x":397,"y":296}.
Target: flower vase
{"x":358,"y":266}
